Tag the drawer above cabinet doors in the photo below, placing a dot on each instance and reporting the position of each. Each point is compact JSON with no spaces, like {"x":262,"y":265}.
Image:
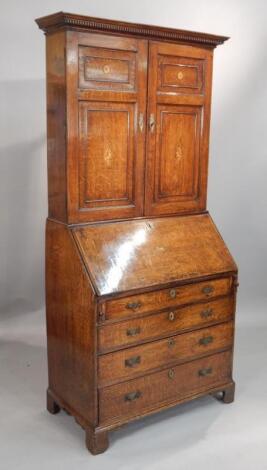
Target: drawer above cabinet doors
{"x":165,"y":298}
{"x":129,"y":399}
{"x":128,"y":363}
{"x":115,"y":336}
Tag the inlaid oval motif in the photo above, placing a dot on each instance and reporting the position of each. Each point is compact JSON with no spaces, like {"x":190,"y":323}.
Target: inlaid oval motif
{"x":179,"y":153}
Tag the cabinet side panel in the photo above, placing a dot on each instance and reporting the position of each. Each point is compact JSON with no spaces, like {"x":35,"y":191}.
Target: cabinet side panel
{"x":71,"y":310}
{"x":56,"y":128}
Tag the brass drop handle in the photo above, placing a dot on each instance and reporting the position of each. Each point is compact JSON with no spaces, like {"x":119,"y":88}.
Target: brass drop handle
{"x":152,"y":122}
{"x":206,"y":340}
{"x":133,"y":331}
{"x":133,"y":305}
{"x":141,"y":122}
{"x":132,"y":361}
{"x":207,"y":290}
{"x":171,"y":316}
{"x":205,"y":372}
{"x":206,"y":313}
{"x":133,"y":396}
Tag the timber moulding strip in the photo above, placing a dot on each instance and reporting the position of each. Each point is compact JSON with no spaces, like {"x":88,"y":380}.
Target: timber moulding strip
{"x":62,"y":20}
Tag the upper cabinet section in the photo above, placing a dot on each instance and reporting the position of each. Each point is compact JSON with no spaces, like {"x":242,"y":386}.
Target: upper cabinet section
{"x":128,"y":118}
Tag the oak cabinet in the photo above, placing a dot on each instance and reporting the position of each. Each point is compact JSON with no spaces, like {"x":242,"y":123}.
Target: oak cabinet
{"x":140,"y":286}
{"x":135,"y":111}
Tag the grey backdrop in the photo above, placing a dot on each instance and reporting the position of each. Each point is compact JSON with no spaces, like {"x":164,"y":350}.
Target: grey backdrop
{"x":238,"y":151}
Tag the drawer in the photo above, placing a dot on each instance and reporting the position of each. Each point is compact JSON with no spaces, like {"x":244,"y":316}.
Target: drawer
{"x":112,"y":336}
{"x":129,"y":399}
{"x":128,"y":363}
{"x":157,"y":300}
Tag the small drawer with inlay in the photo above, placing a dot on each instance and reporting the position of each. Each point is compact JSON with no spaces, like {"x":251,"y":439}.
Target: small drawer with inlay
{"x":127,"y":332}
{"x":128,"y":399}
{"x":166,"y":298}
{"x":128,"y":363}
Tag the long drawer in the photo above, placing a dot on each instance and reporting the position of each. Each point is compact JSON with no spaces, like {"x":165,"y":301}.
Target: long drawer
{"x":141,"y":395}
{"x":128,"y":363}
{"x":165,"y":298}
{"x":112,"y":336}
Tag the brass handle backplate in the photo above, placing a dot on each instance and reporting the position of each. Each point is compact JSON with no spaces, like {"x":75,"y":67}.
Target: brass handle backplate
{"x":133,"y":305}
{"x":205,"y":372}
{"x":132,"y":361}
{"x":206,"y":340}
{"x":207,"y":289}
{"x":133,"y":331}
{"x":133,"y":396}
{"x":152,"y":122}
{"x":206,"y":313}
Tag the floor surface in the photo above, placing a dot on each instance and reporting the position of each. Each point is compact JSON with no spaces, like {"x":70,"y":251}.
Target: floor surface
{"x":204,"y":434}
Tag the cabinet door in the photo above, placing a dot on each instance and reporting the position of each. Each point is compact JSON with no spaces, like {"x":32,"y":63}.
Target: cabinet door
{"x":178,"y":128}
{"x":106,"y":90}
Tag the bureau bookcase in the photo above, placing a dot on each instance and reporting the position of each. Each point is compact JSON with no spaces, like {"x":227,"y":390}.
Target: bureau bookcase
{"x":140,"y":287}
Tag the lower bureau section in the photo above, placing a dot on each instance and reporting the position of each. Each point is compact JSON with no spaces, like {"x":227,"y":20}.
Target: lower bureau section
{"x":137,"y":396}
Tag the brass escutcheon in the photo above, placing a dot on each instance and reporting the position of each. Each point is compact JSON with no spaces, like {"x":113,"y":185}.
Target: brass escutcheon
{"x":106,"y":69}
{"x":171,"y":316}
{"x":171,"y":374}
{"x":172,"y":293}
{"x":171,"y":342}
{"x":180,"y":75}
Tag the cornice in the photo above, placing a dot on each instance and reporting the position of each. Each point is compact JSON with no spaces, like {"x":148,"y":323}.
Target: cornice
{"x":62,"y":20}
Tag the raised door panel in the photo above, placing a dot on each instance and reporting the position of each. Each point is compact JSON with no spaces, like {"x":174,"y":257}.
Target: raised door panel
{"x":178,"y":130}
{"x":106,"y":157}
{"x":107,"y":86}
{"x":177,"y":153}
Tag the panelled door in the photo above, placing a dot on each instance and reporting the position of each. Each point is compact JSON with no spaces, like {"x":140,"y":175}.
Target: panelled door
{"x":179,"y":87}
{"x":106,"y":99}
